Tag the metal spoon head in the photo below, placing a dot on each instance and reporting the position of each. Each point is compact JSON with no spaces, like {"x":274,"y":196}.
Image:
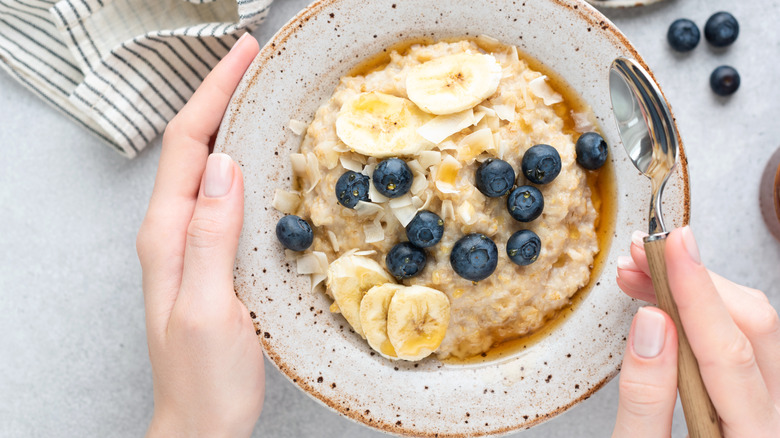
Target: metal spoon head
{"x":646,"y":127}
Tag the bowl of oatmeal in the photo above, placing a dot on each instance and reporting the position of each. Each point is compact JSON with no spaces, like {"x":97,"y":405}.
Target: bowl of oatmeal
{"x":458,"y":272}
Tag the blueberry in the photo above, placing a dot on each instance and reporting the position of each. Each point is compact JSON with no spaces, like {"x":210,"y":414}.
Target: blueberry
{"x":474,"y":257}
{"x":351,"y":188}
{"x":392,"y":177}
{"x":721,"y":29}
{"x":683,"y":35}
{"x":495,"y":178}
{"x":541,"y":164}
{"x":425,"y":229}
{"x":724,"y":80}
{"x":294,"y":233}
{"x":405,"y":260}
{"x":525,"y":203}
{"x":523,"y":247}
{"x":591,"y":151}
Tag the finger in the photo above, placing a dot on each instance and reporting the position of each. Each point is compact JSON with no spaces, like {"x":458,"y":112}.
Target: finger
{"x":648,"y":377}
{"x":636,"y":285}
{"x":184,"y":153}
{"x":638,"y":251}
{"x":725,"y":355}
{"x":212,"y":238}
{"x":162,"y":236}
{"x":749,"y":308}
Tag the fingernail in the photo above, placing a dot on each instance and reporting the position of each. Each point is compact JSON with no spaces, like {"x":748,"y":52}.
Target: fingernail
{"x":219,"y":175}
{"x":239,"y":41}
{"x":638,"y":238}
{"x":690,"y":244}
{"x":649,"y":333}
{"x":625,"y":262}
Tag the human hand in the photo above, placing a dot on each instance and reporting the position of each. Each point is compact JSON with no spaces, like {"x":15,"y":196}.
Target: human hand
{"x":734,"y":333}
{"x":207,"y":364}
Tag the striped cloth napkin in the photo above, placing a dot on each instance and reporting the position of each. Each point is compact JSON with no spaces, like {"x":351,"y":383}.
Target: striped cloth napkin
{"x":120,"y":68}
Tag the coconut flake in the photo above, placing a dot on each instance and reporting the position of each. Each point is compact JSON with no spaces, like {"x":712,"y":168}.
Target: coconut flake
{"x":429,"y":158}
{"x":334,"y":241}
{"x":298,"y":162}
{"x":316,"y":280}
{"x":541,"y":88}
{"x":368,"y":208}
{"x":315,"y":262}
{"x":403,"y":209}
{"x":367,"y":252}
{"x":415,"y":166}
{"x":447,"y":175}
{"x":475,"y":143}
{"x":467,"y":213}
{"x":505,"y":111}
{"x":312,"y":171}
{"x":448,"y":145}
{"x":403,"y":201}
{"x":447,"y":211}
{"x":417,"y":202}
{"x":427,"y":202}
{"x":582,"y":122}
{"x":286,"y":202}
{"x":351,"y":164}
{"x":503,"y":147}
{"x":339,"y":146}
{"x":419,"y":183}
{"x":374,"y":232}
{"x":298,"y":127}
{"x":441,"y":127}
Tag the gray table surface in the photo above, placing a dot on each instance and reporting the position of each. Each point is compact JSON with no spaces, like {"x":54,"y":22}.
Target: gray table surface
{"x":73,"y":357}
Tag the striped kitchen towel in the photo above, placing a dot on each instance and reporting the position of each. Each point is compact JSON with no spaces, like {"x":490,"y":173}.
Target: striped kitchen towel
{"x":120,"y":68}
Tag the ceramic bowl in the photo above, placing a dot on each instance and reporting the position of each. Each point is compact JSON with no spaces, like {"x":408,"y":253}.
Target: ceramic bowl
{"x":289,"y":79}
{"x":621,"y":3}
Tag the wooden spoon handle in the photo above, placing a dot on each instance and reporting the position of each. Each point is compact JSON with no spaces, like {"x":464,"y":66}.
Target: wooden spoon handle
{"x":700,"y":414}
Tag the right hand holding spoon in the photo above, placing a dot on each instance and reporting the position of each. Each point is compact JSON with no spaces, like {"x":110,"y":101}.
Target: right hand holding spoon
{"x":733,"y":330}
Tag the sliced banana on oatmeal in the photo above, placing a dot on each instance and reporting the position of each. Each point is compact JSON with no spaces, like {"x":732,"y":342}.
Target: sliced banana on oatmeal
{"x":373,"y":317}
{"x":417,"y":321}
{"x":453,"y":83}
{"x":349,"y":278}
{"x":380,"y":125}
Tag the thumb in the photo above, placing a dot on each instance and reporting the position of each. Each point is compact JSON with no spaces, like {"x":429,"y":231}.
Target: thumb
{"x":648,"y":378}
{"x":213,"y":233}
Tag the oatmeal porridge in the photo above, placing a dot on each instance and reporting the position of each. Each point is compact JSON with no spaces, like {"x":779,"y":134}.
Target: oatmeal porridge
{"x":434,"y":225}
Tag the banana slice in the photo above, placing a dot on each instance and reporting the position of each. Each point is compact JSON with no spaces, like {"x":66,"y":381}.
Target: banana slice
{"x":349,"y":277}
{"x":380,"y":125}
{"x":373,"y":317}
{"x":417,"y":321}
{"x":453,"y":83}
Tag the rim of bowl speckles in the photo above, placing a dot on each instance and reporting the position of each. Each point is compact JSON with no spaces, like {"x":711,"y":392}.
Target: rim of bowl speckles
{"x":621,"y":3}
{"x":296,"y":71}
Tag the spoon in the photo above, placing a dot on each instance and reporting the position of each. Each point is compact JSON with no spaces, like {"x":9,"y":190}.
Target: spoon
{"x":649,"y":135}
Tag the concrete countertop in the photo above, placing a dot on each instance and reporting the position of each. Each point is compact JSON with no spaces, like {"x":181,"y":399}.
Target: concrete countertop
{"x":73,"y":357}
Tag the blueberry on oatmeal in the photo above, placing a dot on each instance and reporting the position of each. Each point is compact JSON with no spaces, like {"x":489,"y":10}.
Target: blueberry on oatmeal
{"x":541,"y":164}
{"x":523,"y":247}
{"x":294,"y":233}
{"x":426,"y":229}
{"x":351,"y":188}
{"x":495,"y":178}
{"x":525,"y":203}
{"x":392,"y":177}
{"x":474,"y":257}
{"x":405,"y":260}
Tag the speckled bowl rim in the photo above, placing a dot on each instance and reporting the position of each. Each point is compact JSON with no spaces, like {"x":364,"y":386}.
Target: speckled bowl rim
{"x":588,"y":14}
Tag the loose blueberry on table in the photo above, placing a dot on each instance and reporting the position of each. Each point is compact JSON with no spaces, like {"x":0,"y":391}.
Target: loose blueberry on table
{"x":405,"y":260}
{"x":426,"y":229}
{"x":722,"y":29}
{"x":525,"y":203}
{"x":352,"y":187}
{"x":495,"y":178}
{"x":724,"y":80}
{"x":683,"y":35}
{"x":474,"y":257}
{"x":392,"y":177}
{"x":523,"y":247}
{"x":541,"y":164}
{"x":591,"y":151}
{"x":294,"y":233}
